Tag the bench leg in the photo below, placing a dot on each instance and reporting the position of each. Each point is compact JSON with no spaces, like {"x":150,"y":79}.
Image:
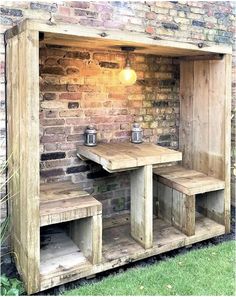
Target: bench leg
{"x":142,"y":205}
{"x":87,"y":234}
{"x":176,"y":208}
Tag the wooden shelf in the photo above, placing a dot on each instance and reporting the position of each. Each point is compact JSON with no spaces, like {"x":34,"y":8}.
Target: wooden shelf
{"x":61,"y":202}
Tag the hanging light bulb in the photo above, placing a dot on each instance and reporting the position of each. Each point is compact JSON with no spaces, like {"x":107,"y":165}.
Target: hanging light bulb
{"x":127,"y":76}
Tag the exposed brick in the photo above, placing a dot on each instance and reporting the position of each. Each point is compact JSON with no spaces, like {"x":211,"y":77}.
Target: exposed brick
{"x":79,"y":4}
{"x":198,"y":23}
{"x":171,"y":26}
{"x":78,"y":55}
{"x":109,"y":65}
{"x":11,"y":12}
{"x":53,"y":156}
{"x":86,"y":13}
{"x":49,"y":96}
{"x":42,"y":6}
{"x":70,"y":96}
{"x":73,"y":105}
{"x":52,"y":172}
{"x":53,"y":70}
{"x":76,"y":169}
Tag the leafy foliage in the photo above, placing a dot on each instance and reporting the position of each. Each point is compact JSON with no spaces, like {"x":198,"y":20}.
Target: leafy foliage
{"x":11,"y":287}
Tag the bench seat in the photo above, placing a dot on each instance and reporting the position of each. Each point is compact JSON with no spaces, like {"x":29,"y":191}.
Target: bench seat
{"x":65,"y":202}
{"x":176,"y":194}
{"x":189,"y":182}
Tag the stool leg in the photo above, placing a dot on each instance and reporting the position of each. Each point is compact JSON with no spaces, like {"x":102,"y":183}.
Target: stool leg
{"x":87,"y":234}
{"x":176,"y":208}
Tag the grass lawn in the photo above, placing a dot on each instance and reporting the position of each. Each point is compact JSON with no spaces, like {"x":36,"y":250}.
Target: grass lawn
{"x":208,"y":271}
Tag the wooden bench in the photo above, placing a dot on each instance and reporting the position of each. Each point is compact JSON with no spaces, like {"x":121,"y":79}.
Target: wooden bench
{"x":64,"y":201}
{"x":175,"y":190}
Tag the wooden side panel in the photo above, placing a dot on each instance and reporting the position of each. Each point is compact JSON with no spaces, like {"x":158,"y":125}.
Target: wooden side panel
{"x":227,"y":137}
{"x":208,"y":119}
{"x":142,"y":205}
{"x":13,"y":140}
{"x":87,"y":234}
{"x":24,"y":134}
{"x":176,"y":208}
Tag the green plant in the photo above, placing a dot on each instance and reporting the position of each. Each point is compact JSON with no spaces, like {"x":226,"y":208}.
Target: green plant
{"x":11,"y":287}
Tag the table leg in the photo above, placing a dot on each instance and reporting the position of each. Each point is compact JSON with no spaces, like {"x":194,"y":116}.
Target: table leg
{"x":142,"y":205}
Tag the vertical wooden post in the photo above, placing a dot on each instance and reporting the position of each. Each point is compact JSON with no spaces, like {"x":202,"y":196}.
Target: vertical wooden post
{"x":87,"y":234}
{"x":23,"y":136}
{"x":142,"y":206}
{"x":227,"y":137}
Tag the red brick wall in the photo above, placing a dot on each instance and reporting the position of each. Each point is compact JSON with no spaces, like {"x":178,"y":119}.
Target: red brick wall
{"x":192,"y":21}
{"x":80,"y":87}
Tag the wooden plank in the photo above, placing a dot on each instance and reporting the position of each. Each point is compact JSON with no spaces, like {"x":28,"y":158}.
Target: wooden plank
{"x":29,"y":155}
{"x":176,"y":208}
{"x":183,"y":212}
{"x":60,"y":191}
{"x":186,"y":113}
{"x":142,"y":205}
{"x":227,"y":137}
{"x":164,"y":200}
{"x":119,"y":248}
{"x":122,"y":156}
{"x":201,"y":116}
{"x":87,"y":234}
{"x":23,"y":95}
{"x":12,"y":68}
{"x":58,"y":211}
{"x":202,"y":57}
{"x":129,"y":38}
{"x":189,"y":182}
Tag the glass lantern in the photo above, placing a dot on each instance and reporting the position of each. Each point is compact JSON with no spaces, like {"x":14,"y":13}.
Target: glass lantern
{"x":90,"y":136}
{"x":136,"y":134}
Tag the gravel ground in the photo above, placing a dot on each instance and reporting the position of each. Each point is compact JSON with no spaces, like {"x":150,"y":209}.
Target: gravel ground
{"x":9,"y":269}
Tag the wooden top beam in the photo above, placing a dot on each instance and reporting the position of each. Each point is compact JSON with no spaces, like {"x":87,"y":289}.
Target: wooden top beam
{"x":108,"y":37}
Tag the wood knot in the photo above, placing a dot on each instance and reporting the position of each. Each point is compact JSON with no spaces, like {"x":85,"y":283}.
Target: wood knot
{"x":103,"y":34}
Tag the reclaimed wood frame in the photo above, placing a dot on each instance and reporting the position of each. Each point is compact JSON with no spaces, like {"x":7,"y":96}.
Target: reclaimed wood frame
{"x":22,"y":48}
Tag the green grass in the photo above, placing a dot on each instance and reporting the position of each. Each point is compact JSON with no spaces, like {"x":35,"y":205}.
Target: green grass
{"x":208,"y":271}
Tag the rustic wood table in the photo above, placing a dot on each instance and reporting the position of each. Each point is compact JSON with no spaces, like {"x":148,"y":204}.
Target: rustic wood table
{"x":139,"y":158}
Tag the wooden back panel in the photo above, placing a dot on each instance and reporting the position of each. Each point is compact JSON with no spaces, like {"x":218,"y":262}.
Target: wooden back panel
{"x":205,"y":99}
{"x":202,"y":116}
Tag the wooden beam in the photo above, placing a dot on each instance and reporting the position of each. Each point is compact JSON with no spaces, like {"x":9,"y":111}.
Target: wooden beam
{"x":202,"y":57}
{"x":124,"y":38}
{"x":141,"y":206}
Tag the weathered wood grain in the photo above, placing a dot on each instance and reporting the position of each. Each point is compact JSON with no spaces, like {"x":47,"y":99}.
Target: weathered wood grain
{"x":189,"y":182}
{"x":124,"y":156}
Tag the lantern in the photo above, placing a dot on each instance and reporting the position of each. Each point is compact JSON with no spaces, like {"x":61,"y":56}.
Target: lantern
{"x":90,"y":136}
{"x":127,"y":76}
{"x":136,"y":133}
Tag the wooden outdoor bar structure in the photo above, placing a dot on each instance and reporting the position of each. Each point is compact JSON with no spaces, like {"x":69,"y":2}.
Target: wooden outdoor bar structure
{"x":171,"y":206}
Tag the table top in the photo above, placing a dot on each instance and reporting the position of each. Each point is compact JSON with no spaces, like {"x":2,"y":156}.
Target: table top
{"x":123,"y":156}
